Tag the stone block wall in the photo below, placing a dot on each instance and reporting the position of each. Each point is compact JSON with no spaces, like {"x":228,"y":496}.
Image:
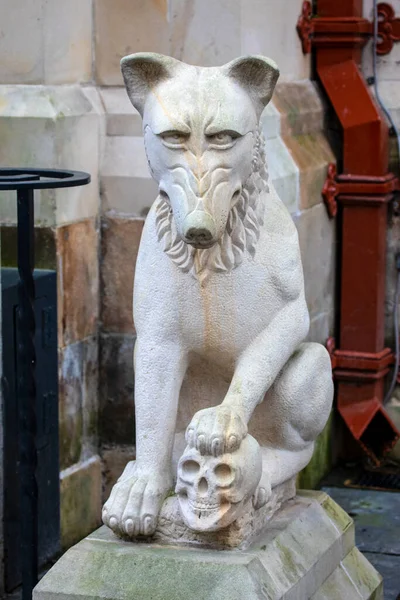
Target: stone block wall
{"x":61,"y":126}
{"x":62,"y":104}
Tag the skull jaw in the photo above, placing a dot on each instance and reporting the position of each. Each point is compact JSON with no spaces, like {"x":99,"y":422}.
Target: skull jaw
{"x":202,"y":518}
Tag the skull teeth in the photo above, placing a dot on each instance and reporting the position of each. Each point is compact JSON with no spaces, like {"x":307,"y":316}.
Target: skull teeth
{"x":201,"y":507}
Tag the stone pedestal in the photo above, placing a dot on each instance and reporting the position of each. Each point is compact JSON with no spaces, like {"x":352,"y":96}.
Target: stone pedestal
{"x":305,"y":552}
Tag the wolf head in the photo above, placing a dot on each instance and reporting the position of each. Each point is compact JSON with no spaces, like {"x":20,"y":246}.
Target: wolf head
{"x":201,"y":131}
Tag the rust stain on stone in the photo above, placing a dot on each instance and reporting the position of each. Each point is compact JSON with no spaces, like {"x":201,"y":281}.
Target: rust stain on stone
{"x":209,"y":322}
{"x":78,"y":281}
{"x":119,"y":247}
{"x":161,"y":6}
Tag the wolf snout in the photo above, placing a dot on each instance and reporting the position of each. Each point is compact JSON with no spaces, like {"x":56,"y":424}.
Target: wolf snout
{"x":200,"y":235}
{"x":199,"y":230}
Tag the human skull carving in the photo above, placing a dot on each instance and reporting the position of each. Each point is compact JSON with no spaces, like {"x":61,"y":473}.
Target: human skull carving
{"x":212,"y":490}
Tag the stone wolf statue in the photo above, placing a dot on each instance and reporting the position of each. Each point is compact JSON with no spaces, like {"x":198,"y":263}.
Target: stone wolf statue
{"x":219,"y":306}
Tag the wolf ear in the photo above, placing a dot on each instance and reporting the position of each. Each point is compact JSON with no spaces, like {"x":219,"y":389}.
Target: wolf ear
{"x":257,"y":74}
{"x":142,"y":72}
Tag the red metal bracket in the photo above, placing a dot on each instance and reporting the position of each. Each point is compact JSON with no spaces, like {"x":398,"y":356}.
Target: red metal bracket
{"x":362,"y":188}
{"x":354,"y":31}
{"x":305,"y":27}
{"x":366,"y":417}
{"x":388,"y":28}
{"x":330,"y":191}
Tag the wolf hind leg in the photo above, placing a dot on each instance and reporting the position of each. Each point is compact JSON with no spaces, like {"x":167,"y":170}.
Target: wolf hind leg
{"x":297,"y":408}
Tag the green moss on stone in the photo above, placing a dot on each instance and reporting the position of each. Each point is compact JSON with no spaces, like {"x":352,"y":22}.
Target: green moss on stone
{"x":337,"y":514}
{"x":80,"y":502}
{"x":289,"y":566}
{"x":92,"y":421}
{"x":45,"y":247}
{"x":321,"y":462}
{"x":70,"y":442}
{"x":362,"y":573}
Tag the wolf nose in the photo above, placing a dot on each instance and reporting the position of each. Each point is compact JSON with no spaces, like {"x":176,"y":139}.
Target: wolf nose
{"x":199,"y":229}
{"x":200,"y":235}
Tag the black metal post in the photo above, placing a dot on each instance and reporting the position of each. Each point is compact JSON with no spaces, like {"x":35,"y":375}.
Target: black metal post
{"x":25,"y":181}
{"x":27,"y":394}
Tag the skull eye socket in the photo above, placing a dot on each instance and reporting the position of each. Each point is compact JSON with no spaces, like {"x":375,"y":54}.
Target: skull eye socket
{"x":190,"y":467}
{"x":223,"y":473}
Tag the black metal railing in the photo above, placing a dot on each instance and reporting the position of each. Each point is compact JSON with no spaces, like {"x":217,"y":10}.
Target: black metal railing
{"x":24,"y":182}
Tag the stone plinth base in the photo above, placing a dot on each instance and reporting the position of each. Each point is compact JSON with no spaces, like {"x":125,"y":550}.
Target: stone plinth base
{"x":305,"y":552}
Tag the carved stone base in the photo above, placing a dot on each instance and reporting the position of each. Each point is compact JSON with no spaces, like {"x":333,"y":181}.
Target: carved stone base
{"x":306,"y":551}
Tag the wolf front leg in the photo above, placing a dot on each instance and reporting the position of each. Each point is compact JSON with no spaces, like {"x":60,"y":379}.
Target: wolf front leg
{"x":221,"y":428}
{"x":137,"y":497}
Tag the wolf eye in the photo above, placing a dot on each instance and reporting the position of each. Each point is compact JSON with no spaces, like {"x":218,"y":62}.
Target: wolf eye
{"x":174,"y":139}
{"x":223,"y":139}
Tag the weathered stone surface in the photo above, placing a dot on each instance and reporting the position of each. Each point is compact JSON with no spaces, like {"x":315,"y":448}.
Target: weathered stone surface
{"x":114,"y":460}
{"x":312,"y":154}
{"x":21,"y":47}
{"x":201,"y":33}
{"x":322,"y":325}
{"x":90,"y":400}
{"x":205,"y":32}
{"x":284,"y":173}
{"x":46,"y":42}
{"x":78,"y":400}
{"x":392,"y":247}
{"x":321,"y":461}
{"x":127,"y":187}
{"x":124,"y":26}
{"x":121,"y":117}
{"x":119,"y":247}
{"x":264,"y":27}
{"x":78,"y":281}
{"x":307,"y":545}
{"x":80,"y":501}
{"x":318,"y":251}
{"x":302,"y":114}
{"x":70,"y":402}
{"x":355,"y":577}
{"x":45,"y":247}
{"x":116,"y":397}
{"x":51,"y":126}
{"x":301,"y":107}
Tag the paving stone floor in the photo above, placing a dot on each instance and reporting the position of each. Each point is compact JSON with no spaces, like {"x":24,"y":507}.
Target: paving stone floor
{"x":376,"y":516}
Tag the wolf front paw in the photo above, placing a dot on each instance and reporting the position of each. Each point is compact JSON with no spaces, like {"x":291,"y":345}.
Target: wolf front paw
{"x":216,"y":430}
{"x":135,"y":502}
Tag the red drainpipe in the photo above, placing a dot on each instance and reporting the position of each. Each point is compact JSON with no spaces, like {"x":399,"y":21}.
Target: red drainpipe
{"x":360,"y":195}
